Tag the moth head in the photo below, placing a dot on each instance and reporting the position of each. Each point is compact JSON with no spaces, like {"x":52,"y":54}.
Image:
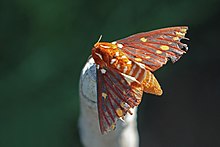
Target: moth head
{"x":102,"y":52}
{"x":105,"y":46}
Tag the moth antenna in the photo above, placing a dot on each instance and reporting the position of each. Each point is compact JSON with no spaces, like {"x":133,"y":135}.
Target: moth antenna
{"x":100,"y":37}
{"x":98,"y":41}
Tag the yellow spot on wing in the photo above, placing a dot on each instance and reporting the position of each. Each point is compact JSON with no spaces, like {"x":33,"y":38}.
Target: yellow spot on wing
{"x":113,"y":126}
{"x":183,"y":30}
{"x":119,"y":112}
{"x":138,"y":59}
{"x":143,"y":39}
{"x":159,"y":52}
{"x":147,"y":57}
{"x":164,"y":47}
{"x":180,"y":34}
{"x":176,"y":38}
{"x":122,"y":104}
{"x":104,"y":95}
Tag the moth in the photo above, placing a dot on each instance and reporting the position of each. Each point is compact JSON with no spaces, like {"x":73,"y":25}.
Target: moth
{"x":124,"y":70}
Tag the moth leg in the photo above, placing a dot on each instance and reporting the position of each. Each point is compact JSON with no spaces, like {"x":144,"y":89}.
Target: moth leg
{"x":151,"y":84}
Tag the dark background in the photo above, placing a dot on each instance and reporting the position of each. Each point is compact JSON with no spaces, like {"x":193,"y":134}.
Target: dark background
{"x":44,"y":45}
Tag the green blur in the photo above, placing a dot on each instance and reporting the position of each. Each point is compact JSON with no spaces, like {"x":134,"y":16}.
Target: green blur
{"x":44,"y":45}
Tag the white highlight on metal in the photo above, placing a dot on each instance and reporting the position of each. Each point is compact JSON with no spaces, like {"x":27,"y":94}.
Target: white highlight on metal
{"x":100,"y":56}
{"x":129,"y":62}
{"x":103,"y":71}
{"x":120,"y":45}
{"x":117,"y":54}
{"x":123,"y":57}
{"x":114,"y":42}
{"x":113,"y":61}
{"x":125,"y":69}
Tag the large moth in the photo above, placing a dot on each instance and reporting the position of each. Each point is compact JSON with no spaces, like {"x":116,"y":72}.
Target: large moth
{"x":124,"y":70}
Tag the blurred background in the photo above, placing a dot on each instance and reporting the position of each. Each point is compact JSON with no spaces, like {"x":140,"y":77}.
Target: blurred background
{"x":44,"y":45}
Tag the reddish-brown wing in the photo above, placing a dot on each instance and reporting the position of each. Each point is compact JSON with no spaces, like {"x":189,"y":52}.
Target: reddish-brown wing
{"x":155,"y":47}
{"x":117,"y":93}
